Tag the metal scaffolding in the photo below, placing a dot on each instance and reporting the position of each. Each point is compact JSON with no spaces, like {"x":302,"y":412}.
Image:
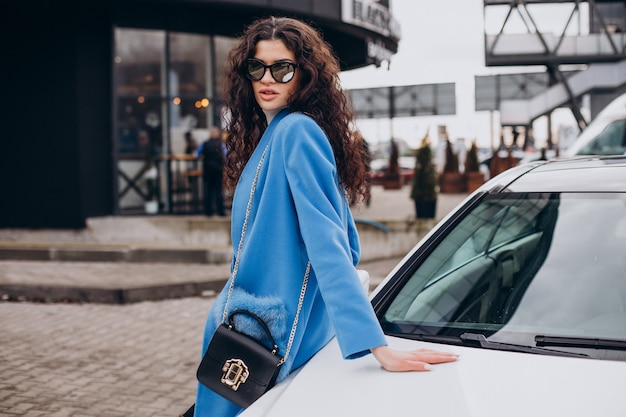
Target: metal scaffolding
{"x":591,"y":36}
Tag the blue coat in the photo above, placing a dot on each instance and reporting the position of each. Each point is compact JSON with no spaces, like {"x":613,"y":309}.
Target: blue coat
{"x":299,"y":213}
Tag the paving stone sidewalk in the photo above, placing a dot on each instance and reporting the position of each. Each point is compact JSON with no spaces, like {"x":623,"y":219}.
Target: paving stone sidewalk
{"x":66,"y":360}
{"x":106,"y":360}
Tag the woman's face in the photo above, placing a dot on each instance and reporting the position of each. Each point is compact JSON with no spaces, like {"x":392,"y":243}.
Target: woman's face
{"x":270,"y":94}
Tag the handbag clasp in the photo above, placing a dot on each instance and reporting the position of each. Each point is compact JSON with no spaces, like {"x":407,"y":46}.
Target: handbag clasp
{"x":235,"y":373}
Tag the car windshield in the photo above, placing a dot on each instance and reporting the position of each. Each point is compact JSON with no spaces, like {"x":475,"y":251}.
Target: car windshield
{"x":611,"y":141}
{"x":519,"y":267}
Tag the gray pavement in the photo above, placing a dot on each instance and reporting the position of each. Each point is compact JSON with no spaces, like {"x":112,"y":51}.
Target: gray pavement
{"x":60,"y":360}
{"x":113,"y":360}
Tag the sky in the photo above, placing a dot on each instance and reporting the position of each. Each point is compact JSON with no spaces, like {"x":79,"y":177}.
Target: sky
{"x":442,"y":41}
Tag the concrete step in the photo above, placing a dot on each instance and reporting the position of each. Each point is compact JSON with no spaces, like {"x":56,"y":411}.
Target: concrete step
{"x":113,"y":252}
{"x":182,"y":239}
{"x":108,"y":282}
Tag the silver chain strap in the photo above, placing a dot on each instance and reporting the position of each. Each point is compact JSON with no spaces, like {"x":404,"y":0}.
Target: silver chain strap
{"x":243,"y":233}
{"x":305,"y":281}
{"x":236,"y":266}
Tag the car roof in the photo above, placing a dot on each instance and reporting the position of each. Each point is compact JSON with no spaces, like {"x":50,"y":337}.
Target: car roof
{"x":575,"y":174}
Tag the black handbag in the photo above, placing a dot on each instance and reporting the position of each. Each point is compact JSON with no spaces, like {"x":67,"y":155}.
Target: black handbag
{"x":238,"y":367}
{"x":235,"y":365}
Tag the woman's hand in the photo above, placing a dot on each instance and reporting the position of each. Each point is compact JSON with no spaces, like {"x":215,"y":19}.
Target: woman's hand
{"x":416,"y":360}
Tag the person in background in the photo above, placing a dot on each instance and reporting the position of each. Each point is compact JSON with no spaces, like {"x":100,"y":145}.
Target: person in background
{"x":212,"y":152}
{"x":190,"y":144}
{"x":289,"y":116}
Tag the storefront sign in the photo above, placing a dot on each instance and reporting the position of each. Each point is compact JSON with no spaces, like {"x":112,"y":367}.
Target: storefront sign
{"x":372,"y":15}
{"x":377,"y":53}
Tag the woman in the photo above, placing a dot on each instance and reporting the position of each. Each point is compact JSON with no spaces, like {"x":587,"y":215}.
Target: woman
{"x":285,"y":106}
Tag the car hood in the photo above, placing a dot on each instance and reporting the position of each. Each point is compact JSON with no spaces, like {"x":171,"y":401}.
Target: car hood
{"x":482,"y":383}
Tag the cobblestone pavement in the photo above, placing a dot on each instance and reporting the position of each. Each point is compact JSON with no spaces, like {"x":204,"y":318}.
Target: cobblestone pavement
{"x":105,"y":360}
{"x":100,"y":360}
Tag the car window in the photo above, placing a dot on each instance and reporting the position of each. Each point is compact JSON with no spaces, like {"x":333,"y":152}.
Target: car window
{"x":610,"y":141}
{"x":522,"y":265}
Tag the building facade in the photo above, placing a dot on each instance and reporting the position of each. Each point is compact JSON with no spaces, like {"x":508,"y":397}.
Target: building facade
{"x":98,"y":96}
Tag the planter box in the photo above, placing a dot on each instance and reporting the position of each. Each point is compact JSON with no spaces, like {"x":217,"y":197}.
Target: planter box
{"x":474,"y":180}
{"x":425,"y":209}
{"x":452,"y":182}
{"x":392,"y":184}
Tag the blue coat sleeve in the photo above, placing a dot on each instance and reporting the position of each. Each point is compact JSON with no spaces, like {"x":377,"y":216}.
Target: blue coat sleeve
{"x":325,"y":220}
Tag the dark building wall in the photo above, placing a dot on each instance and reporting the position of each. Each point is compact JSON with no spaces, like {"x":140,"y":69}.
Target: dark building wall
{"x":39,"y":131}
{"x":94,"y":46}
{"x":55,"y":115}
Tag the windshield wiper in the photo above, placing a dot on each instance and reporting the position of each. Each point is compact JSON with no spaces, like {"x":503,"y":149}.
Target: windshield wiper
{"x":580,"y":342}
{"x":479,"y":339}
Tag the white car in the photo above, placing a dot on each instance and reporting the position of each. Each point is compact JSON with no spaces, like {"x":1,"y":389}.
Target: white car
{"x":525,"y":281}
{"x":606,"y":134}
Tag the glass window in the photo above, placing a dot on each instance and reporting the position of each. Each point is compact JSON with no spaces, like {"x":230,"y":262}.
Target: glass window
{"x":138,"y":61}
{"x":190,"y":96}
{"x":223,"y":46}
{"x":189,"y":63}
{"x":611,"y":141}
{"x":168,"y":89}
{"x":138,"y":68}
{"x":522,"y":265}
{"x":197,"y":68}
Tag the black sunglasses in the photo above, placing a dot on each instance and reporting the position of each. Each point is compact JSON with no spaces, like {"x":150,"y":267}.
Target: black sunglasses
{"x":282,"y":71}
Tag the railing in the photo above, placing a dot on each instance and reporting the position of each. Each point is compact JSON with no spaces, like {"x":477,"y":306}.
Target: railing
{"x":163,"y":184}
{"x":540,"y":48}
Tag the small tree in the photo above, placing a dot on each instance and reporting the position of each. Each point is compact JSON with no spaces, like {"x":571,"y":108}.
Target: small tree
{"x":392,"y":179}
{"x":424,"y":185}
{"x":471,"y":161}
{"x":473,"y":177}
{"x":452,"y":160}
{"x":451,"y":179}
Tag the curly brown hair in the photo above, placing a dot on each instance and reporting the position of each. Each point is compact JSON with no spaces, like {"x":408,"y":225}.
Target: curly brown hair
{"x":319,"y":95}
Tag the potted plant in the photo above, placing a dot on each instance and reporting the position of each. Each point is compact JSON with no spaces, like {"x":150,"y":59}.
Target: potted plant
{"x":451,"y":179}
{"x":424,"y":183}
{"x":473,"y":177}
{"x":502,"y":160}
{"x":392,"y":178}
